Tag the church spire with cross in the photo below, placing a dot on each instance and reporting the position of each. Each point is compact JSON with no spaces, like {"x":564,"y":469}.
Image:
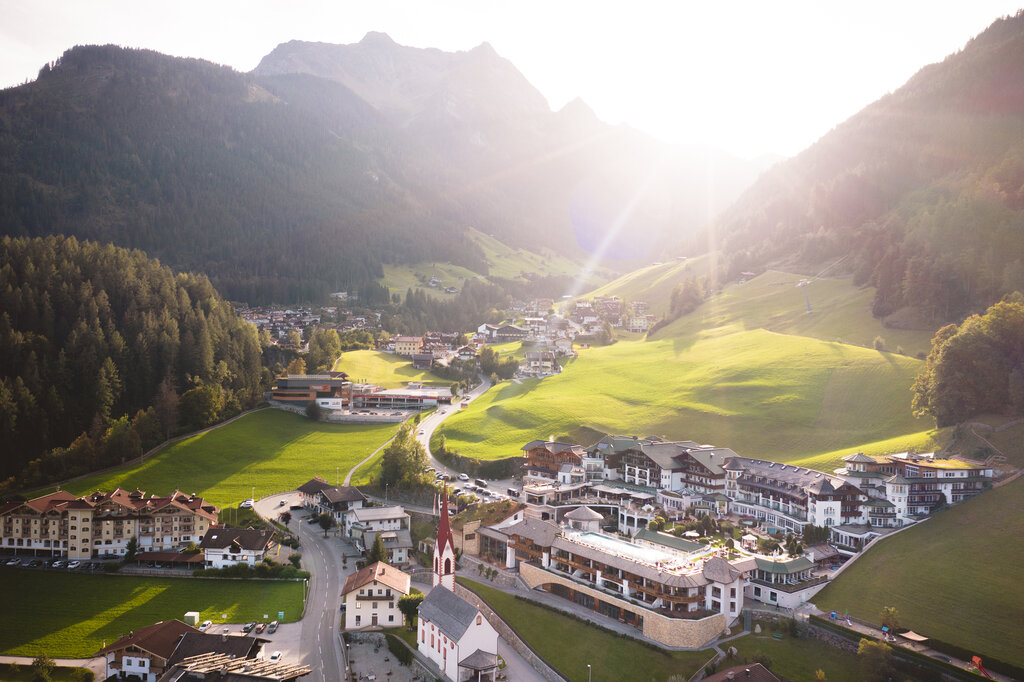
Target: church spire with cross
{"x":444,"y":548}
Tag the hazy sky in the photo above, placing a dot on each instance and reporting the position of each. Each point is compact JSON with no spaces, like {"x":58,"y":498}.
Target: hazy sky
{"x":750,"y":77}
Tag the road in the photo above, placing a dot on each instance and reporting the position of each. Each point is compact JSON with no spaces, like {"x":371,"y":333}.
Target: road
{"x":430,"y":423}
{"x":315,"y":640}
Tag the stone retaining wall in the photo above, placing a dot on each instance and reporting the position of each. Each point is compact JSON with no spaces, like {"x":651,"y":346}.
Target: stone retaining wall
{"x":506,"y":632}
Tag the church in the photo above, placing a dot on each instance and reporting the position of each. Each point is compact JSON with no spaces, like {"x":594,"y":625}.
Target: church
{"x":452,"y":632}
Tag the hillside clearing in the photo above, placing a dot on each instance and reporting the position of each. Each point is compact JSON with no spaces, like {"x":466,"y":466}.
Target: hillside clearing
{"x":384,"y":369}
{"x":759,"y":393}
{"x":269,"y":450}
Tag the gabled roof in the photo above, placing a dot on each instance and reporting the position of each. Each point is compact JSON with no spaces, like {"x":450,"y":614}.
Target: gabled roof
{"x":450,"y":613}
{"x":159,"y":639}
{"x":313,"y":486}
{"x":382,"y":573}
{"x":860,"y":457}
{"x":584,"y":513}
{"x":343,"y":494}
{"x":248,"y":539}
{"x":554,"y":447}
{"x":541,"y":532}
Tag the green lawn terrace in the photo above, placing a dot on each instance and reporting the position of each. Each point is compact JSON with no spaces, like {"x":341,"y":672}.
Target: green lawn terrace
{"x":653,"y":284}
{"x":70,"y":615}
{"x":262,"y":453}
{"x":763,"y":394}
{"x":386,"y":370}
{"x":952,"y":577}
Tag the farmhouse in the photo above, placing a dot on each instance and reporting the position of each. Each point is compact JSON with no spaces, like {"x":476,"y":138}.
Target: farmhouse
{"x":408,"y":345}
{"x":144,"y":652}
{"x":60,"y":524}
{"x":371,"y":596}
{"x":229,"y":546}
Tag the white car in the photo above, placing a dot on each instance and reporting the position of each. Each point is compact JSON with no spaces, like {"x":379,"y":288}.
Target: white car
{"x":73,"y":565}
{"x":13,"y":562}
{"x":276,"y":656}
{"x":205,"y":626}
{"x":463,"y":477}
{"x":247,"y":504}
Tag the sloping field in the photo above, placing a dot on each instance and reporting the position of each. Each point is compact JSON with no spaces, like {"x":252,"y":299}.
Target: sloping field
{"x":68,"y":615}
{"x":759,"y":393}
{"x":269,"y":450}
{"x":506,"y":262}
{"x":954,"y":577}
{"x":654,"y":283}
{"x":773,"y":301}
{"x":384,"y":369}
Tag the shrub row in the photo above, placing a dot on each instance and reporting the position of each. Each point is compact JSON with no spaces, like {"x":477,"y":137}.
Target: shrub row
{"x":265,"y":569}
{"x":399,"y":648}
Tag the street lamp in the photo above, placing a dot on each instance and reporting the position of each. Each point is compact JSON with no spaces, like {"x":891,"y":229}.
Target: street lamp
{"x":588,"y":672}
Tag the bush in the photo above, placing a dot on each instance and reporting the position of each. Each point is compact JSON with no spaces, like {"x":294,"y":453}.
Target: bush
{"x":265,"y":569}
{"x":295,"y":558}
{"x":397,"y":647}
{"x":879,"y":343}
{"x":112,"y":567}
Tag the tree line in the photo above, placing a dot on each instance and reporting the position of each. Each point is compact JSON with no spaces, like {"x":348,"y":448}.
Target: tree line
{"x":105,"y":352}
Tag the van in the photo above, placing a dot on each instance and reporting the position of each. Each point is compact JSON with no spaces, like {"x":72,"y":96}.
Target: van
{"x":481,"y":482}
{"x":513,"y":493}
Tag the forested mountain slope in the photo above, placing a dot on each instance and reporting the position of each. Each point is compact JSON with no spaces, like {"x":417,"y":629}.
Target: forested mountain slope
{"x":90,"y":335}
{"x":923,"y":190}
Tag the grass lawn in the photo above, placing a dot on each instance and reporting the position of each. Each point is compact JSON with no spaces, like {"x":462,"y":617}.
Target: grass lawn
{"x":70,"y":615}
{"x":271,"y":450}
{"x":798,"y":659}
{"x":612,"y":657}
{"x":384,"y":369}
{"x":654,"y":283}
{"x":400,"y":278}
{"x":760,"y":393}
{"x":24,"y":673}
{"x":953,"y":577}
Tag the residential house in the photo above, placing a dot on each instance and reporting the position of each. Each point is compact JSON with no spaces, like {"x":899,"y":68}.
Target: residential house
{"x":229,"y":546}
{"x":102,"y":524}
{"x":144,"y":652}
{"x":309,"y":493}
{"x":543,"y":459}
{"x":364,"y":519}
{"x":539,"y":364}
{"x":455,"y":636}
{"x":371,"y":596}
{"x":408,"y":345}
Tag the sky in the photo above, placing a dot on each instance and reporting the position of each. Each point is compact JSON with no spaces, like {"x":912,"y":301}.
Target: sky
{"x":752,"y":78}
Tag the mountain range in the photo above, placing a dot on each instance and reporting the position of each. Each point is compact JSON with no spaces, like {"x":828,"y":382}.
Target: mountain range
{"x":327,"y":161}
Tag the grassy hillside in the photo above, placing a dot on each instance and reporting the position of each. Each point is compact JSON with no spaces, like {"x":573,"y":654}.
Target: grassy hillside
{"x":503,"y":262}
{"x":951,"y":577}
{"x":68,"y":615}
{"x":840,"y":312}
{"x":654,"y":283}
{"x":270,"y":450}
{"x":761,"y":393}
{"x":385,"y":369}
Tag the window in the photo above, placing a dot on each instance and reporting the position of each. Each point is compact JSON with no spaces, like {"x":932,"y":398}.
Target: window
{"x":358,"y":618}
{"x":391,"y":618}
{"x":375,"y":606}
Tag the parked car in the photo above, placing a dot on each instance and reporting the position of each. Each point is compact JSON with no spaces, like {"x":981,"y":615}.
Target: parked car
{"x":57,"y":564}
{"x":205,"y":626}
{"x":35,"y":563}
{"x":73,"y":565}
{"x":13,"y":562}
{"x":272,"y":628}
{"x":282,"y":503}
{"x":247,"y":504}
{"x":463,"y":477}
{"x":276,"y":656}
{"x":260,"y":628}
{"x":248,"y":627}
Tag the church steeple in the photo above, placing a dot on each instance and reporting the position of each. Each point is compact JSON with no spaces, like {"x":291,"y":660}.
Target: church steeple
{"x":444,"y":548}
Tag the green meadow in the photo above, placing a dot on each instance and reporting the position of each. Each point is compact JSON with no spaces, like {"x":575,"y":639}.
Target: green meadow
{"x":611,"y":656}
{"x":954,"y":577}
{"x":67,"y":615}
{"x":772,"y":301}
{"x":760,"y":393}
{"x":269,"y":450}
{"x":384,"y":369}
{"x":654,"y":283}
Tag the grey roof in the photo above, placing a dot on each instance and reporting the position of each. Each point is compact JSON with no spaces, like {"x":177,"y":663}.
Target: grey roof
{"x":379,"y":513}
{"x":584,"y":514}
{"x":246,"y":538}
{"x":343,"y":494}
{"x":541,"y":532}
{"x":554,"y":447}
{"x":717,"y":569}
{"x":196,"y":643}
{"x":449,"y":612}
{"x":897,"y":480}
{"x":479,"y":660}
{"x":393,"y":539}
{"x":788,"y":478}
{"x":859,"y":457}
